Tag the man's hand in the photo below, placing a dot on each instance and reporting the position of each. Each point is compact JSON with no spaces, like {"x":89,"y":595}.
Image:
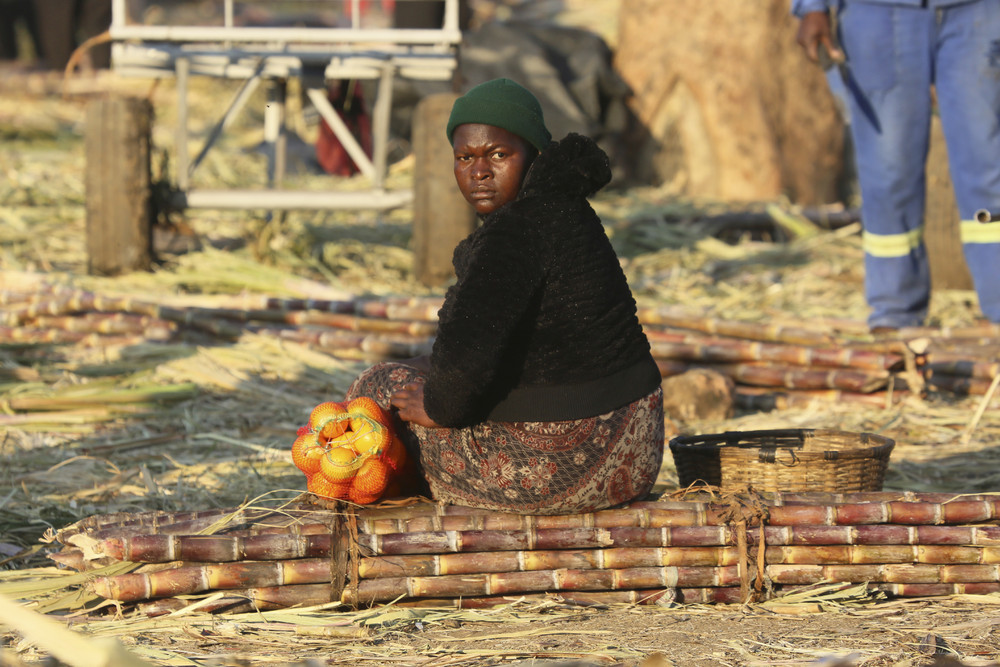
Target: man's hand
{"x":814,"y":32}
{"x":409,"y":400}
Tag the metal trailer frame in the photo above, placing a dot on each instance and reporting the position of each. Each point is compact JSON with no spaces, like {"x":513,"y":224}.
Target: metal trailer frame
{"x":274,"y":55}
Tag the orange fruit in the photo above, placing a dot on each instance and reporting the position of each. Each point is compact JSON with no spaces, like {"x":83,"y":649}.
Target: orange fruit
{"x":339,"y":464}
{"x":372,"y":477}
{"x":321,"y":486}
{"x":370,"y":440}
{"x":345,"y":440}
{"x":335,"y":427}
{"x":329,"y":419}
{"x":371,"y":422}
{"x":362,"y":499}
{"x":395,"y":454}
{"x":306,"y":453}
{"x":363,"y":406}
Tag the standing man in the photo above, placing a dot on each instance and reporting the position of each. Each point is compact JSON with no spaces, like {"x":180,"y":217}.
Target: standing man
{"x":893,"y":52}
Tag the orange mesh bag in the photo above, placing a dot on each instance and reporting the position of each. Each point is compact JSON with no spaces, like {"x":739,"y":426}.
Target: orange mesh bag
{"x":349,"y":450}
{"x":321,"y":486}
{"x":306,"y":452}
{"x":370,"y":481}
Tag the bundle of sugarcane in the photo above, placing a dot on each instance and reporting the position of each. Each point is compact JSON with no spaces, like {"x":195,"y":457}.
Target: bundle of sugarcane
{"x":794,"y":362}
{"x":367,"y":328}
{"x":780,"y":364}
{"x":729,"y":548}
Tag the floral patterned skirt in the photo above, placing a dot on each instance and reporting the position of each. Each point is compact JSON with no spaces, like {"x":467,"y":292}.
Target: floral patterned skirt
{"x":560,"y":467}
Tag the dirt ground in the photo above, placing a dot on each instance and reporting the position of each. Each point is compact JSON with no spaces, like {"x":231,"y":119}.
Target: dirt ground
{"x":899,"y":633}
{"x":893,"y":635}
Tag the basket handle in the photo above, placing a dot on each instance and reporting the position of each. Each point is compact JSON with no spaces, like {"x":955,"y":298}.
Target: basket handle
{"x":769,"y":454}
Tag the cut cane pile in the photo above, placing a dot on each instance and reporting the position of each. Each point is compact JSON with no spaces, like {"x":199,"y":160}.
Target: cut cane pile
{"x":703,"y":549}
{"x":349,"y":451}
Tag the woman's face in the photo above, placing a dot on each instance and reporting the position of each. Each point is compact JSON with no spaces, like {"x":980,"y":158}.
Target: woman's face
{"x":490,"y":163}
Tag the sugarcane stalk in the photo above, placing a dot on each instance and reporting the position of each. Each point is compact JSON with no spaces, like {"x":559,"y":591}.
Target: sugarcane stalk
{"x":460,"y":575}
{"x":510,"y":583}
{"x":125,"y":587}
{"x":968,"y":368}
{"x":765,"y":399}
{"x":108,"y":323}
{"x":393,"y":308}
{"x":313,"y":540}
{"x":791,"y":377}
{"x":787,"y":377}
{"x":354,"y":323}
{"x":398,"y":346}
{"x":282,"y":597}
{"x":962,"y":349}
{"x":720,"y":595}
{"x":938,"y":589}
{"x":188,"y":579}
{"x":102,"y":526}
{"x":622,"y":558}
{"x":12,"y":297}
{"x":218,"y":548}
{"x":344,"y":321}
{"x":960,"y":385}
{"x":265,"y":599}
{"x":260,"y":598}
{"x":903,"y":512}
{"x":82,"y":301}
{"x":235,"y":523}
{"x":29,"y":336}
{"x":748,"y":330}
{"x":889,"y":573}
{"x":735,"y":350}
{"x":926,"y":511}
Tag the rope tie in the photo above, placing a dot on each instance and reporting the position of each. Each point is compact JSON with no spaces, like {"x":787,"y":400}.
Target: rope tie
{"x":741,"y":511}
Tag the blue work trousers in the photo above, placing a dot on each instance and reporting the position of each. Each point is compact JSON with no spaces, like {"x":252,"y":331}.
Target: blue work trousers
{"x":894,"y":55}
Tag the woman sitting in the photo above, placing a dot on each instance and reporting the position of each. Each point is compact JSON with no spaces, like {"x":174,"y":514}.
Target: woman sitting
{"x":540,"y":395}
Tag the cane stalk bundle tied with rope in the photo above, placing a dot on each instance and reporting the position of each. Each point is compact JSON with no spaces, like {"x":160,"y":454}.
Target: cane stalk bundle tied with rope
{"x":700,"y":545}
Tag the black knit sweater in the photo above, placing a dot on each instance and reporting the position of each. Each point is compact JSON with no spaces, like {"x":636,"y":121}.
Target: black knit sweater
{"x":540,"y":324}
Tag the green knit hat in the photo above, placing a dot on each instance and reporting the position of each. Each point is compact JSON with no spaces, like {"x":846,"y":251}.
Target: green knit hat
{"x":502,"y":103}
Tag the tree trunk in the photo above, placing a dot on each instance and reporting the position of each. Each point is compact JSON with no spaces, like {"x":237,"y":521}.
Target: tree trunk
{"x":119,"y":208}
{"x":944,"y":247}
{"x":441,"y":216}
{"x":729,"y":107}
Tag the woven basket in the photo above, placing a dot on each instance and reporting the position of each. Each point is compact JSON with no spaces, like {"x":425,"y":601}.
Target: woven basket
{"x":789,"y":460}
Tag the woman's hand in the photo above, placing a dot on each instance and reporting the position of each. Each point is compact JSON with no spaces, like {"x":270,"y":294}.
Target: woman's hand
{"x":409,"y":401}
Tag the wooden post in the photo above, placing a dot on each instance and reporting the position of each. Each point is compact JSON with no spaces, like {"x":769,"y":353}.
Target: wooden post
{"x":441,"y":216}
{"x":119,"y":206}
{"x":944,"y":247}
